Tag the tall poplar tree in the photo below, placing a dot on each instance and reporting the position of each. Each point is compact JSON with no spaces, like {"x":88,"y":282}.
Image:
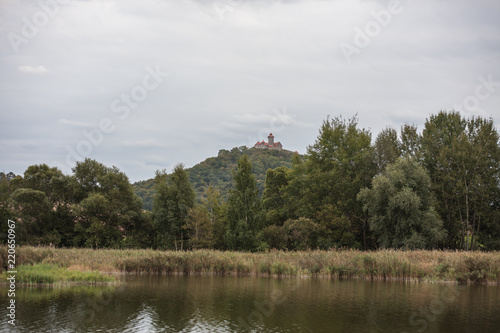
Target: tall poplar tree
{"x":387,"y":148}
{"x":174,"y":199}
{"x":244,"y":209}
{"x":182,"y":199}
{"x":463,"y":159}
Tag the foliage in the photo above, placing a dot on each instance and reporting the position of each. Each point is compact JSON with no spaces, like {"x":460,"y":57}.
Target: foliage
{"x":173,"y":201}
{"x":217,"y":214}
{"x":387,"y":148}
{"x":251,"y":199}
{"x":216,"y":172}
{"x":400,"y":205}
{"x":145,"y":190}
{"x":244,"y":209}
{"x":6,"y":212}
{"x":338,"y":165}
{"x":35,"y":211}
{"x":273,"y":198}
{"x":200,"y":229}
{"x":463,"y":158}
{"x":109,"y":211}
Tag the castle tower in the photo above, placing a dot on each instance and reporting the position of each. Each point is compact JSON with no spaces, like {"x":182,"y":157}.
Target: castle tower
{"x":270,"y":139}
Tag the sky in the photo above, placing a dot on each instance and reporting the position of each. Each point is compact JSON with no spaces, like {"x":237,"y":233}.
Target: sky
{"x":145,"y":85}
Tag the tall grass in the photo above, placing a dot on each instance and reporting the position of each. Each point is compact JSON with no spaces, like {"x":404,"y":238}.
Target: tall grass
{"x":462,"y":267}
{"x":44,"y":273}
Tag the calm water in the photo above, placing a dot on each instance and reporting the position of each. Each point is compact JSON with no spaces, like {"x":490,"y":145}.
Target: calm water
{"x":248,"y":304}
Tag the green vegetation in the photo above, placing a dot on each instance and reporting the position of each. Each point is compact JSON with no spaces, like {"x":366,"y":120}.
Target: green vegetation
{"x":438,"y":189}
{"x":43,"y":273}
{"x":244,"y":209}
{"x":420,"y":265}
{"x":401,"y":205}
{"x":217,"y":172}
{"x":172,"y":203}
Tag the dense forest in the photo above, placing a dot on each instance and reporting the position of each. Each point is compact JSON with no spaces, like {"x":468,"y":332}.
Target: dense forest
{"x":217,"y":172}
{"x":406,"y":189}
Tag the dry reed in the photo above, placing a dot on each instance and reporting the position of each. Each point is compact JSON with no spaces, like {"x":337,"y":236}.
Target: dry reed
{"x":432,"y":266}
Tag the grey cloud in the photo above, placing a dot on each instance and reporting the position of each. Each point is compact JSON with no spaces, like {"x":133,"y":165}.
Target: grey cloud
{"x":228,"y":73}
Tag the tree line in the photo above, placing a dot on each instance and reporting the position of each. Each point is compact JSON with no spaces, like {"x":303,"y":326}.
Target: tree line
{"x":438,"y":189}
{"x":217,"y":172}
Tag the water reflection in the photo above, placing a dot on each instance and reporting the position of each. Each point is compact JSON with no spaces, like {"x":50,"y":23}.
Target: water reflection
{"x":247,"y":304}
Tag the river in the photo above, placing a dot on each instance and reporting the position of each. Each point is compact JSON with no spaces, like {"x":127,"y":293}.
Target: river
{"x":254,"y":304}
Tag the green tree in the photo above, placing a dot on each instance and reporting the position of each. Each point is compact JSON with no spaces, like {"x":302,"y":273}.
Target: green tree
{"x":400,"y":205}
{"x":60,"y":191}
{"x":173,"y":200}
{"x":161,"y":205}
{"x":244,"y":209}
{"x":35,"y":211}
{"x":338,"y":165}
{"x":51,"y":181}
{"x":199,"y":228}
{"x":411,"y":142}
{"x":387,"y":148}
{"x":301,"y":234}
{"x":273,"y":200}
{"x":97,"y":224}
{"x":182,"y":198}
{"x":273,"y":237}
{"x":6,"y":212}
{"x":463,"y":158}
{"x":297,"y":190}
{"x":108,"y":209}
{"x":217,"y":213}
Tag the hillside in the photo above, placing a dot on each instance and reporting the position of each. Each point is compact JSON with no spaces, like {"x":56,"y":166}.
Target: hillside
{"x":218,"y":171}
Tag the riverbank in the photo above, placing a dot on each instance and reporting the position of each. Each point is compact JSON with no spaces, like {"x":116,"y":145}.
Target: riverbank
{"x":37,"y":274}
{"x":430,"y":266}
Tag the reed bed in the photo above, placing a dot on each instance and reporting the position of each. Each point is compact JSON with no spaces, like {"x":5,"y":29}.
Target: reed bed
{"x":432,"y":266}
{"x":44,"y":273}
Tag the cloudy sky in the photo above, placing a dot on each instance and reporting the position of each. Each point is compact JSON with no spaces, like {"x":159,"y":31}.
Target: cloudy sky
{"x":144,"y":85}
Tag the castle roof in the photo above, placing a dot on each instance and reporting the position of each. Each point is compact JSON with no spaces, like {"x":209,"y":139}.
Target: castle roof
{"x":264,"y":144}
{"x":267,"y":144}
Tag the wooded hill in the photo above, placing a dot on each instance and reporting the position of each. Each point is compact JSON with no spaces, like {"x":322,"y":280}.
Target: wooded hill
{"x":218,"y":172}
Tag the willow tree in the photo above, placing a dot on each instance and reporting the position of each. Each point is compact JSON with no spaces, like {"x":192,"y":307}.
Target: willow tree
{"x":401,"y":207}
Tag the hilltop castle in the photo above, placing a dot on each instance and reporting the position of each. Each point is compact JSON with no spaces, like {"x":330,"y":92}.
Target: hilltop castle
{"x":270,"y":144}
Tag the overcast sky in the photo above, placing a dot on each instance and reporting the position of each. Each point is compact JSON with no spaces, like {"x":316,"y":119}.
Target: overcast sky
{"x":144,"y":85}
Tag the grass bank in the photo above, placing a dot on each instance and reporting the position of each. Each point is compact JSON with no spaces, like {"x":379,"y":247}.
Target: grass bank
{"x":433,"y":266}
{"x":43,"y":273}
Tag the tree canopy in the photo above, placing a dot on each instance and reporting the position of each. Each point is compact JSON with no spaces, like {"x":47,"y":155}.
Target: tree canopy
{"x":438,"y":188}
